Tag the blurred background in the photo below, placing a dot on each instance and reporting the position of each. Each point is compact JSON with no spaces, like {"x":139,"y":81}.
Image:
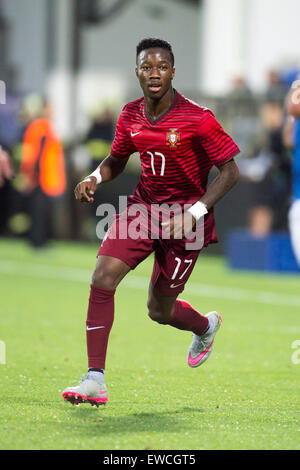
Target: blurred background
{"x":67,"y":69}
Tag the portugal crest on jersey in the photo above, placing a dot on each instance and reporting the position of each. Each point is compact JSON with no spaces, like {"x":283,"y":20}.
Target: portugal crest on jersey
{"x":173,"y":138}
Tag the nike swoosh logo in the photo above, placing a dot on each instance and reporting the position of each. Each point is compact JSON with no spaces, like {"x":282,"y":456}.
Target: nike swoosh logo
{"x":135,"y":133}
{"x":88,"y":328}
{"x":176,"y":285}
{"x":194,"y":360}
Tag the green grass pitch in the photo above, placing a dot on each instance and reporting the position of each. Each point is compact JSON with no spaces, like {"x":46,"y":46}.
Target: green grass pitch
{"x":246,"y":396}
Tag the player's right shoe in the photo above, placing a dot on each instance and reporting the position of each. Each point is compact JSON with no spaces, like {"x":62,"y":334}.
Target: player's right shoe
{"x":201,"y":346}
{"x":89,"y":390}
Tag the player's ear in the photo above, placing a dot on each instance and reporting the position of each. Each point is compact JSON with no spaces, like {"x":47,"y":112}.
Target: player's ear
{"x":173,"y":72}
{"x":136,"y":71}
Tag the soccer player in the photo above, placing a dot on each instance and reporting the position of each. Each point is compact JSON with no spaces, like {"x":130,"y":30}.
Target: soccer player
{"x":293,"y":110}
{"x":178,"y":142}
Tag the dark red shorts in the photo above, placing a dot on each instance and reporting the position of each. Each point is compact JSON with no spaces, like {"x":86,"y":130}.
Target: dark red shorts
{"x":173,"y":263}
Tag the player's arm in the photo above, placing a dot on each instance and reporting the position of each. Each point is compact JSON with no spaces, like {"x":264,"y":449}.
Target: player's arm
{"x":220,"y":149}
{"x":293,"y":100}
{"x":220,"y":186}
{"x":108,"y":169}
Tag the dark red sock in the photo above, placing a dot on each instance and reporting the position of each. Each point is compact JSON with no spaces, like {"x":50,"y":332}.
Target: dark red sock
{"x":100,"y":317}
{"x":185,"y":317}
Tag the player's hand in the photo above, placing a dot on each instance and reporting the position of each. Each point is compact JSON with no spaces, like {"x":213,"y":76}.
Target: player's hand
{"x":86,"y":189}
{"x":179,"y":226}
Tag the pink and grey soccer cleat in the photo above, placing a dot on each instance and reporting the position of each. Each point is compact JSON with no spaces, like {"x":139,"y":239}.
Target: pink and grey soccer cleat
{"x":201,"y":346}
{"x":89,"y":390}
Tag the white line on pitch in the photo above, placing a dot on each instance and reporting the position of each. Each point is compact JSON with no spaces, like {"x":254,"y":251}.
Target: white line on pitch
{"x":64,"y":273}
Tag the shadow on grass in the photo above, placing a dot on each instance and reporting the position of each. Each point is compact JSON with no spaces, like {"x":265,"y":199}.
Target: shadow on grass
{"x":91,"y":421}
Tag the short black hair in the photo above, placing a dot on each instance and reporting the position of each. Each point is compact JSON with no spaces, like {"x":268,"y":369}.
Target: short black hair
{"x":149,"y":43}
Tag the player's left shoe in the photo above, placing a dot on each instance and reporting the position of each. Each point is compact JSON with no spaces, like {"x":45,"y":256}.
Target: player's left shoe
{"x":201,"y":346}
{"x":89,"y":390}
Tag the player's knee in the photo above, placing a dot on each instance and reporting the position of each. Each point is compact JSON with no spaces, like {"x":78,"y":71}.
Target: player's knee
{"x":104,"y":278}
{"x":156,"y":314}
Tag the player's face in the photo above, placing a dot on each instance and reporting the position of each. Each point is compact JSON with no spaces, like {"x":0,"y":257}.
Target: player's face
{"x":155,"y":72}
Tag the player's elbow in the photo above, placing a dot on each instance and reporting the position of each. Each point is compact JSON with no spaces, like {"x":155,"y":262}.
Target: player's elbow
{"x":230,"y":172}
{"x":235,"y":174}
{"x":293,"y":109}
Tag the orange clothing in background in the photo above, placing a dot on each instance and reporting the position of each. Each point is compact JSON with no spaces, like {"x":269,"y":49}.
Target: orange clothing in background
{"x":43,"y":158}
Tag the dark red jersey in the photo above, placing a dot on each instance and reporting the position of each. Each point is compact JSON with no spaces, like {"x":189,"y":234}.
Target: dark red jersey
{"x":177,"y":151}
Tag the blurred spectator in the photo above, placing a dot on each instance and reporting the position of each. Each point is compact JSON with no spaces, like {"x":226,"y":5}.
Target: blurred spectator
{"x":240,"y":90}
{"x":98,"y":142}
{"x":276,"y":89}
{"x":6,"y":174}
{"x":100,"y":136}
{"x":292,"y":140}
{"x":6,"y":170}
{"x":42,"y":173}
{"x":240,"y":109}
{"x":240,"y":97}
{"x":268,"y":170}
